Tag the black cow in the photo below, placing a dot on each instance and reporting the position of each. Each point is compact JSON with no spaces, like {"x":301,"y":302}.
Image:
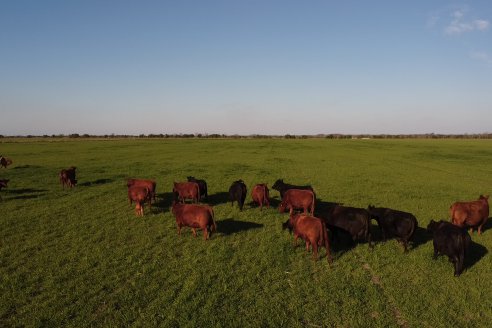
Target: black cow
{"x":452,"y":241}
{"x":393,"y":223}
{"x":237,"y":192}
{"x":282,"y":187}
{"x":202,"y":184}
{"x":354,"y":221}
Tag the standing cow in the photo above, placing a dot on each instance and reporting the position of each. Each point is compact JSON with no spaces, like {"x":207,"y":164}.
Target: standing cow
{"x":260,"y":195}
{"x":312,"y":230}
{"x":470,"y":214}
{"x":186,"y":190}
{"x":67,"y":177}
{"x":352,"y":220}
{"x":450,"y":240}
{"x":282,"y":187}
{"x":202,"y":184}
{"x":195,"y":217}
{"x":393,"y":223}
{"x":139,"y":195}
{"x":298,"y":199}
{"x":4,"y":161}
{"x":237,"y":192}
{"x":148,"y":183}
{"x":3,"y":184}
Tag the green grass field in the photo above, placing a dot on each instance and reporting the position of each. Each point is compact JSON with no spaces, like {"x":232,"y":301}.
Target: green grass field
{"x":80,"y":257}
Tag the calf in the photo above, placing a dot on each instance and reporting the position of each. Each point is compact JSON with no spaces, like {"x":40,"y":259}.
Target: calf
{"x":67,"y":177}
{"x":202,"y":184}
{"x":355,"y":221}
{"x":4,"y":161}
{"x":186,"y":190}
{"x":312,"y":230}
{"x":470,"y":214}
{"x":148,"y":183}
{"x":194,"y":216}
{"x":3,"y":184}
{"x":450,"y":240}
{"x":393,"y":223}
{"x":298,"y":199}
{"x":260,"y":195}
{"x":139,"y":195}
{"x":282,"y":187}
{"x":237,"y":192}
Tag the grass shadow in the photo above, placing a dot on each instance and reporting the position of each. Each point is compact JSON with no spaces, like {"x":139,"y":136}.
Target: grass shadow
{"x":474,"y":254}
{"x":231,"y":226}
{"x":218,"y":198}
{"x":95,"y":182}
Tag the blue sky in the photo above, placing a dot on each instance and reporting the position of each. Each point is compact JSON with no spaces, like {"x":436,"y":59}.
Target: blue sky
{"x":246,"y":67}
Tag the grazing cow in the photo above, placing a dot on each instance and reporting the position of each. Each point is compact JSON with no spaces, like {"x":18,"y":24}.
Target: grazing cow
{"x":450,"y":240}
{"x":355,"y":221}
{"x":282,"y":187}
{"x":393,"y":223}
{"x":312,"y":230}
{"x":194,"y":216}
{"x":186,"y":190}
{"x":470,"y":214}
{"x":3,"y":184}
{"x":139,"y":195}
{"x":150,"y":184}
{"x":260,"y":195}
{"x":237,"y":192}
{"x":298,"y":199}
{"x":202,"y":184}
{"x":4,"y":161}
{"x":67,"y":177}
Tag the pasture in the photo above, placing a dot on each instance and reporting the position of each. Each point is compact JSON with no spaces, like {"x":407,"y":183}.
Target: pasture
{"x":81,"y":257}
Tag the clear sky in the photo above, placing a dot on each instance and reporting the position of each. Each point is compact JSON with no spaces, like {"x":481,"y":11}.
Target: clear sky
{"x":245,"y":67}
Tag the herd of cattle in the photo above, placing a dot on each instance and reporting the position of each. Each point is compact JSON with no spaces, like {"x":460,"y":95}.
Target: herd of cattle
{"x":449,"y":238}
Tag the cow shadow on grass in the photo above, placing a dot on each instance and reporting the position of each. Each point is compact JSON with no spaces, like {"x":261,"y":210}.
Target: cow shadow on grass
{"x":487,"y":225}
{"x":25,"y":193}
{"x":27,"y":167}
{"x":474,"y":254}
{"x":420,"y":237}
{"x":95,"y":182}
{"x":164,"y":201}
{"x":231,"y":226}
{"x":217,"y":198}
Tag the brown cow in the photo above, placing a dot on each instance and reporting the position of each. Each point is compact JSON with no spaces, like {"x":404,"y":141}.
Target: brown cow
{"x":67,"y":177}
{"x":194,"y":216}
{"x":470,"y":214}
{"x":312,"y":230}
{"x":260,"y":195}
{"x":4,"y":161}
{"x":297,"y":199}
{"x":3,"y":184}
{"x":139,"y":195}
{"x":150,"y":184}
{"x":186,"y":190}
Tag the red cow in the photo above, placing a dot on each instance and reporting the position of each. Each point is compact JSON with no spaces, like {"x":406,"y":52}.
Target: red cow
{"x":139,"y":195}
{"x":194,"y":216}
{"x":150,"y":184}
{"x":470,"y":214}
{"x":312,"y":230}
{"x":67,"y":177}
{"x":186,"y":190}
{"x":260,"y":195}
{"x":298,"y":199}
{"x":3,"y":184}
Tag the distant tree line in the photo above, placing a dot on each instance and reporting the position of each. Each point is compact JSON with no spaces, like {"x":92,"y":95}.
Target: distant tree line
{"x":261,"y":136}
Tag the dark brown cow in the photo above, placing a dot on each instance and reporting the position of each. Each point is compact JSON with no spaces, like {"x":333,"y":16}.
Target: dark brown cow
{"x":195,"y":217}
{"x":470,"y":214}
{"x":150,"y":184}
{"x":4,"y":161}
{"x":312,"y":230}
{"x":67,"y":177}
{"x":139,"y":195}
{"x":3,"y":184}
{"x":186,"y":190}
{"x":298,"y":199}
{"x":260,"y":195}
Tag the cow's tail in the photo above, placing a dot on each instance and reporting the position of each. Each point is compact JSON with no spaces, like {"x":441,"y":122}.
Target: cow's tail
{"x":312,"y":203}
{"x":327,"y":242}
{"x":197,"y":191}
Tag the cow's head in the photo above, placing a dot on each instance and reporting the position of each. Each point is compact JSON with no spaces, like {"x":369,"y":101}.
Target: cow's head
{"x":433,"y":225}
{"x":191,"y":179}
{"x":374,"y":213}
{"x":277,"y":185}
{"x":485,"y":198}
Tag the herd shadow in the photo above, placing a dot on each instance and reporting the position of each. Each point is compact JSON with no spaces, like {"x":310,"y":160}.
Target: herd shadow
{"x":230,"y":226}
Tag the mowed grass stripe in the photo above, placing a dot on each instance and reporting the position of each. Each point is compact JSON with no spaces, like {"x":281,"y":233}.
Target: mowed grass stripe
{"x":80,"y":257}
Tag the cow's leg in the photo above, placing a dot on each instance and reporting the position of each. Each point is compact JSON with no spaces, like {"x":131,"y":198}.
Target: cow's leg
{"x":435,"y":251}
{"x":470,"y":231}
{"x":295,"y":240}
{"x":480,"y":229}
{"x":193,"y":230}
{"x":307,"y":246}
{"x":315,"y":251}
{"x":205,"y":233}
{"x":179,"y":229}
